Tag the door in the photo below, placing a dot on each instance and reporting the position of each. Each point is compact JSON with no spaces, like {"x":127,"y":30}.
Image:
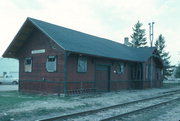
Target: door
{"x":102,"y":78}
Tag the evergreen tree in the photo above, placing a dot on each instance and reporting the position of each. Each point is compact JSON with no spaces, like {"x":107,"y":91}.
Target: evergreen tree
{"x":177,"y":73}
{"x":138,"y":36}
{"x":160,"y":45}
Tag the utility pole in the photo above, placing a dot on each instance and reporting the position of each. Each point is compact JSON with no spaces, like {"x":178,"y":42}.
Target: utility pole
{"x":151,"y":37}
{"x":151,"y":33}
{"x":179,"y":54}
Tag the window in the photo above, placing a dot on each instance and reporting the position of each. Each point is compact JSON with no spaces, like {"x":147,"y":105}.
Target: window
{"x":28,"y":65}
{"x":82,"y":64}
{"x":120,"y":68}
{"x":51,"y":64}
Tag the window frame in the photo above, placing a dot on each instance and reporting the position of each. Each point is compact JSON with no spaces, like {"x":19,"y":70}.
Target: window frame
{"x":120,"y":68}
{"x":26,"y":70}
{"x":50,"y":63}
{"x":80,"y":58}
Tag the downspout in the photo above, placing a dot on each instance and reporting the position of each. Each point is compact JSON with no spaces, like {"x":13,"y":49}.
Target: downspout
{"x":65,"y":72}
{"x":66,"y":54}
{"x":19,"y":88}
{"x":151,"y":71}
{"x":143,"y":74}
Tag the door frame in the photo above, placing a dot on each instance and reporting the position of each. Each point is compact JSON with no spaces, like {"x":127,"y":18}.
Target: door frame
{"x":109,"y":75}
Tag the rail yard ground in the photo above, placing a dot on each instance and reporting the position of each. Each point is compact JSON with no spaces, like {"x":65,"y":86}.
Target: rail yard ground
{"x":17,"y":106}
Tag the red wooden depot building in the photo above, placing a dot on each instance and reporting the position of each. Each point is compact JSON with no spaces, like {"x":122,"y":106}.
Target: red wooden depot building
{"x":54,"y":59}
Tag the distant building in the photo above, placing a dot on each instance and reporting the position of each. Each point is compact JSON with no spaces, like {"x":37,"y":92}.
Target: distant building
{"x":54,"y":59}
{"x":9,"y":67}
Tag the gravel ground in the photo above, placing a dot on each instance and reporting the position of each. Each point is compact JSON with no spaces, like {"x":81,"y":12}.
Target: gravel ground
{"x":32,"y":107}
{"x":8,"y":87}
{"x":168,"y":112}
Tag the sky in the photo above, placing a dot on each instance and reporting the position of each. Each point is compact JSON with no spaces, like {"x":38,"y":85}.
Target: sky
{"x":111,"y":19}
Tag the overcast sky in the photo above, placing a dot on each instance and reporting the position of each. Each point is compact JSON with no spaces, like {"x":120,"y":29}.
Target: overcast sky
{"x":111,"y":19}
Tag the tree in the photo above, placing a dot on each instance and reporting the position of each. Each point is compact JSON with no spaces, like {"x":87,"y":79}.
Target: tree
{"x":160,"y":45}
{"x":177,"y":72}
{"x":138,"y":36}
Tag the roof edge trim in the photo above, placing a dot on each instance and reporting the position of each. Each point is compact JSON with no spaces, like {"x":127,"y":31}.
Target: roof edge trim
{"x":45,"y":32}
{"x":16,"y":35}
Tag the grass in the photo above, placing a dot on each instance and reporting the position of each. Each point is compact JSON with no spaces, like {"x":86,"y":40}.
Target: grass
{"x":14,"y":99}
{"x":11,"y":99}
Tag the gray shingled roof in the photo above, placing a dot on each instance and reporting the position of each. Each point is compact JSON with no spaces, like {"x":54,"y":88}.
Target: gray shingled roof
{"x":79,"y":42}
{"x":75,"y":41}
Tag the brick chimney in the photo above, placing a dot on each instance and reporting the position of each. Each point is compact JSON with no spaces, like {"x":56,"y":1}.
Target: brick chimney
{"x":126,"y":41}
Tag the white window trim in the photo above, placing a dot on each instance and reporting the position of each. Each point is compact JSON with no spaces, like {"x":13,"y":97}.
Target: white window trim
{"x":120,"y":69}
{"x":85,"y":64}
{"x":27,"y":67}
{"x":50,"y":64}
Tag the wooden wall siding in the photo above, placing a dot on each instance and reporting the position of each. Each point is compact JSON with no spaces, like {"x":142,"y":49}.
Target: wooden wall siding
{"x":103,"y":61}
{"x":157,"y":83}
{"x":73,"y":75}
{"x":35,"y":42}
{"x":117,"y":81}
{"x":79,"y":80}
{"x":80,"y":86}
{"x":103,"y":74}
{"x":124,"y":75}
{"x":155,"y":70}
{"x":40,"y":41}
{"x":85,"y":80}
{"x":41,"y":87}
{"x":144,"y":71}
{"x":119,"y":85}
{"x":102,"y":78}
{"x":76,"y":82}
{"x":147,"y":84}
